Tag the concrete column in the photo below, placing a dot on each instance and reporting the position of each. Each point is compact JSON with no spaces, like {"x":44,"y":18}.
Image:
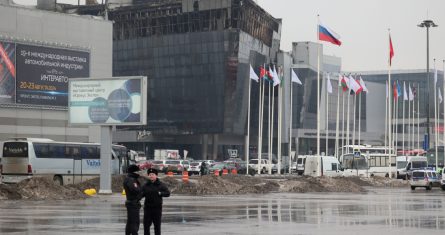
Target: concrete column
{"x":205,"y":140}
{"x":215,"y":146}
{"x":105,"y":160}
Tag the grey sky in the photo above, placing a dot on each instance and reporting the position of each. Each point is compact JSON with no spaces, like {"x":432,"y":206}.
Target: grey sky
{"x":363,"y":27}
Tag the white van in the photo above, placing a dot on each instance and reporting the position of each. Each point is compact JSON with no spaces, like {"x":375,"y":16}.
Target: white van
{"x":330,"y":166}
{"x":301,"y":160}
{"x":415,"y":163}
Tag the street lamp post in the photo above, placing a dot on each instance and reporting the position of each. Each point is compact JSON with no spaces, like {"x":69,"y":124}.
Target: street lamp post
{"x":427,"y":24}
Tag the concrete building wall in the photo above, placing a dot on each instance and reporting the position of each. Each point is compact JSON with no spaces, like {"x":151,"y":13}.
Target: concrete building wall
{"x":50,"y":29}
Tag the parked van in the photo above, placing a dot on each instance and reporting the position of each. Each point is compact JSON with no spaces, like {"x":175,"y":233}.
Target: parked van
{"x":330,"y":166}
{"x":415,"y":163}
{"x":301,"y":160}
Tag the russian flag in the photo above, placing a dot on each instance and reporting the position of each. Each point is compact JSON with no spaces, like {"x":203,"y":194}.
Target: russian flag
{"x":328,"y":35}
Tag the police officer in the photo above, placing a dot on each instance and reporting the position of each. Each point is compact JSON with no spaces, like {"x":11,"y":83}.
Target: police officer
{"x":132,"y":190}
{"x":153,"y":191}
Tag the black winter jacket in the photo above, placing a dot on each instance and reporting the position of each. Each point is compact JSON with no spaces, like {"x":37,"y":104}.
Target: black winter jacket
{"x":153,"y":193}
{"x":132,"y":187}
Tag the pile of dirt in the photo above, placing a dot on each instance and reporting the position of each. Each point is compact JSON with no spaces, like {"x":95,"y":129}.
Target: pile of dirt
{"x":227,"y":185}
{"x":116,"y":184}
{"x":39,"y":188}
{"x":320,"y":184}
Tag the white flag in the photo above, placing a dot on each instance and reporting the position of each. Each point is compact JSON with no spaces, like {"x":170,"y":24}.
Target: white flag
{"x":405,"y":94}
{"x":253,"y":75}
{"x":362,"y":83}
{"x":353,"y":85}
{"x":435,"y":76}
{"x":329,"y":85}
{"x":440,"y":96}
{"x":411,"y":94}
{"x":276,"y":79}
{"x":295,"y":77}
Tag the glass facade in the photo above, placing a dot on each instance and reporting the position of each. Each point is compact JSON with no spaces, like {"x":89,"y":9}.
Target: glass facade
{"x":197,"y":64}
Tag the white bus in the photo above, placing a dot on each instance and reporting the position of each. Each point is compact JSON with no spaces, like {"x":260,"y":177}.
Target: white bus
{"x":369,"y":164}
{"x":64,"y":162}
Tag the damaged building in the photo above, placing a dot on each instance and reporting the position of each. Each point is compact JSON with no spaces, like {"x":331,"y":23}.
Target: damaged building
{"x":196,"y":56}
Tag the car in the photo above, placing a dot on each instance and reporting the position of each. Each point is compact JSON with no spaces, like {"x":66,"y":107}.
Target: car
{"x":209,"y":162}
{"x":424,"y":178}
{"x":144,"y":164}
{"x":195,"y":168}
{"x":220,"y":166}
{"x":293,"y":167}
{"x":158,"y":165}
{"x":176,"y":166}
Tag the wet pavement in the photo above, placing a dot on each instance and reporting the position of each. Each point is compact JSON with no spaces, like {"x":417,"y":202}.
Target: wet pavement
{"x":379,"y":211}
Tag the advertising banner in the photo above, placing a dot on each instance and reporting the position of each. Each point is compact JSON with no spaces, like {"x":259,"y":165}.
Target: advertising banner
{"x":108,"y":101}
{"x":7,"y":72}
{"x":43,"y":74}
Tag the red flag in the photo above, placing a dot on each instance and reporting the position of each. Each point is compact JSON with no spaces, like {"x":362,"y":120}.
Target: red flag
{"x":395,"y":91}
{"x":391,"y":50}
{"x":262,"y":72}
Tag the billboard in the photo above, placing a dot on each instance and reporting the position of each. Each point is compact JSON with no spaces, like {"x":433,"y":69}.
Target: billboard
{"x":108,"y":101}
{"x":43,"y":73}
{"x":7,"y":72}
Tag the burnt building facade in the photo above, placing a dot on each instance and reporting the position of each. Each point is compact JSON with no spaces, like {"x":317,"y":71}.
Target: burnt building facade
{"x":196,"y":55}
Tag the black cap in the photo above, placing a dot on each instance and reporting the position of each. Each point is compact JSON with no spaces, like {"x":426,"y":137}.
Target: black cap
{"x":152,"y":170}
{"x":133,"y":168}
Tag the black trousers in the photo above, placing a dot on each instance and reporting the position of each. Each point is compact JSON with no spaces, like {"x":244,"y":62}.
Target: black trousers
{"x":152,"y":215}
{"x":133,"y":220}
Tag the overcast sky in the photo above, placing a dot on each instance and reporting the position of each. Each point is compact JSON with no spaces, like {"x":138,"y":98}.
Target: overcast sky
{"x":363,"y":27}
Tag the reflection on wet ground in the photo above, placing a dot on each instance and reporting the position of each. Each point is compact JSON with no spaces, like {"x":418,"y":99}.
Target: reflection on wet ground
{"x":380,"y":211}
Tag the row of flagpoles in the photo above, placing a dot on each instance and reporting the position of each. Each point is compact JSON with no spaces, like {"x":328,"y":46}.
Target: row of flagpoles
{"x":271,"y":77}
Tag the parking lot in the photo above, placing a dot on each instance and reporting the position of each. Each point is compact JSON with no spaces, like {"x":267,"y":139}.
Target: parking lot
{"x":378,"y":211}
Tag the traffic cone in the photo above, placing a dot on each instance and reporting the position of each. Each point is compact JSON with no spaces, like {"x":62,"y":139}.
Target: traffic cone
{"x":185,"y":177}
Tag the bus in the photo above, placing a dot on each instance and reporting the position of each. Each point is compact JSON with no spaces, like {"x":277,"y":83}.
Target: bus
{"x":64,"y":162}
{"x":371,"y":160}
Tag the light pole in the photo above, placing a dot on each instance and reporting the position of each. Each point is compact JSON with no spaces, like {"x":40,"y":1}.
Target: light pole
{"x":427,"y":24}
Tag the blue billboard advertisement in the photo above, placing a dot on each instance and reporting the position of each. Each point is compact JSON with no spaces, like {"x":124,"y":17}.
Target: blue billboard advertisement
{"x":7,"y":72}
{"x":43,"y":73}
{"x":108,"y":101}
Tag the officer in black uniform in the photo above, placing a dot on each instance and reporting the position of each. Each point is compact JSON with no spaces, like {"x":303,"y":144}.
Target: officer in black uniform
{"x":132,"y":190}
{"x":153,"y":191}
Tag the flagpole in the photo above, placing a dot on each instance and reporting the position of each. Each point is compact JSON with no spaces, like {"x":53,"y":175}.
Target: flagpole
{"x":280,"y":88}
{"x":269,"y":127}
{"x":327,"y":117}
{"x":418,"y":116}
{"x":359,"y":116}
{"x":343,"y":124}
{"x":390,"y":119}
{"x":393,"y":127}
{"x":353,"y":121}
{"x":397,"y":121}
{"x":337,"y":123}
{"x":248,"y":127}
{"x":260,"y":120}
{"x":435,"y":112}
{"x":348,"y":115}
{"x":412,"y":118}
{"x":290,"y":123}
{"x":319,"y":173}
{"x":443,"y":87}
{"x":386,"y":116}
{"x":409,"y":117}
{"x":403,"y":118}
